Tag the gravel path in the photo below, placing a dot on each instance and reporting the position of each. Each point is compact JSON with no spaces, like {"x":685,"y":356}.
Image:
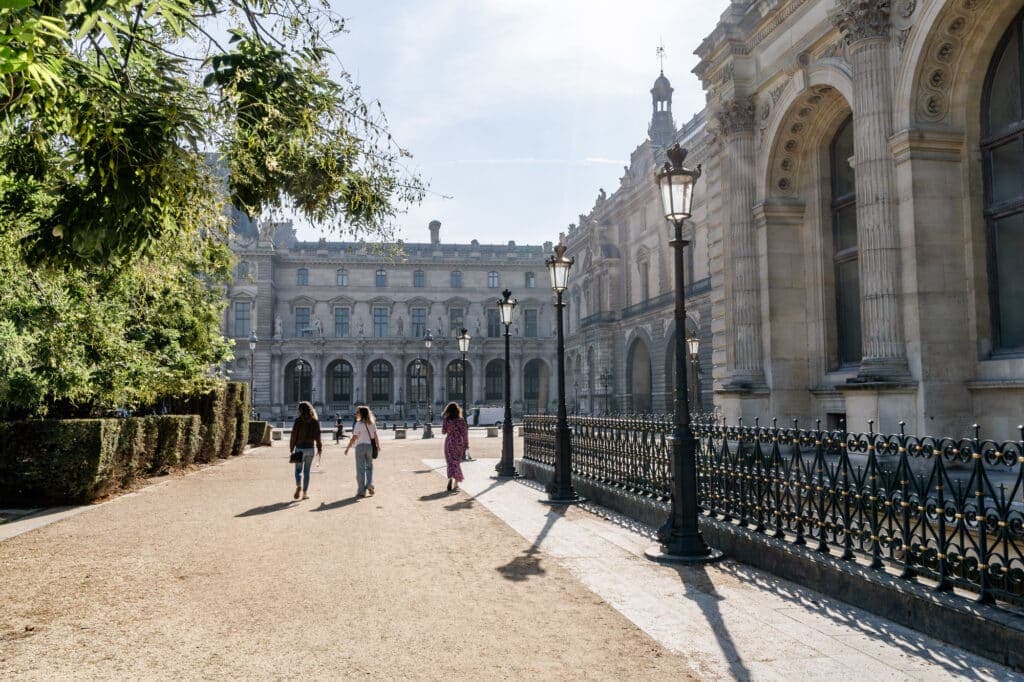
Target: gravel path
{"x":219,"y":574}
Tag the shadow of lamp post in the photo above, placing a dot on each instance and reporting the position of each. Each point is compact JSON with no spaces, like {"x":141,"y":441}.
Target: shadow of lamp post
{"x":680,"y":537}
{"x":506,"y":467}
{"x":560,"y":490}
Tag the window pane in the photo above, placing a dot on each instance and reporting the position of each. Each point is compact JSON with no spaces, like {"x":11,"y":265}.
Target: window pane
{"x":842,"y":173}
{"x":419,"y":322}
{"x":301,"y":321}
{"x":1009,"y":248}
{"x":848,"y":312}
{"x":530,"y":317}
{"x":341,"y":382}
{"x":846,"y":227}
{"x":492,"y":280}
{"x":1007,"y":171}
{"x":531,"y":280}
{"x":456,"y":280}
{"x":242,"y":317}
{"x":341,"y":322}
{"x":380,"y":382}
{"x":381,"y":278}
{"x":494,"y":384}
{"x":302,"y":277}
{"x":455,"y":318}
{"x":1004,"y":98}
{"x":342,"y":278}
{"x":380,"y":322}
{"x":419,"y":279}
{"x":493,"y":323}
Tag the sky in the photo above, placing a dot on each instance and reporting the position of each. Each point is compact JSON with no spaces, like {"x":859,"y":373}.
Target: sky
{"x":518,"y":111}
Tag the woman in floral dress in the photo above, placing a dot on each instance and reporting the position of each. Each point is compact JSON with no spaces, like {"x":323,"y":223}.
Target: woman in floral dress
{"x":455,"y":443}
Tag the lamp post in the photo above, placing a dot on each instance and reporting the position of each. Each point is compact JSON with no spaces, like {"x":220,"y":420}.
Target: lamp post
{"x":560,"y":490}
{"x":428,"y":431}
{"x":252,"y":365}
{"x":693,"y":345}
{"x":464,"y":348}
{"x":506,"y":467}
{"x":680,"y":537}
{"x":576,"y":390}
{"x":606,"y":378}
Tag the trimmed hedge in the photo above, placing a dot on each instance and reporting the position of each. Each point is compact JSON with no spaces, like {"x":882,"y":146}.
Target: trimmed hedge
{"x":259,"y":433}
{"x":78,"y":460}
{"x":224,"y":412}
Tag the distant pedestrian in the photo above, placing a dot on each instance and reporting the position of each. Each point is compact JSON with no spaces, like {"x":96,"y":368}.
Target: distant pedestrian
{"x":305,"y":435}
{"x":455,"y":443}
{"x":364,"y":437}
{"x":339,"y":427}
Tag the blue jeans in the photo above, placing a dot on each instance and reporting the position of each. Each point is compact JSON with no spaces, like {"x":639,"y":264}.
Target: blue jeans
{"x":302,"y":468}
{"x":364,"y":467}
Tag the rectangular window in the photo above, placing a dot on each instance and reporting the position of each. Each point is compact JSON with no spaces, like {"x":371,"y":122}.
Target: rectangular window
{"x":530,"y":321}
{"x":455,"y":320}
{"x":531,"y":280}
{"x":380,"y":322}
{"x":302,"y":277}
{"x":242,"y":318}
{"x":302,"y":322}
{"x":492,"y":280}
{"x":456,"y":279}
{"x":419,"y":279}
{"x":341,"y":322}
{"x":493,"y":323}
{"x":419,"y":323}
{"x":380,"y":279}
{"x":342,"y":278}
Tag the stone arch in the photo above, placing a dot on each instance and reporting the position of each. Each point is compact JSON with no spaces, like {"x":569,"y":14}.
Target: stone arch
{"x":454,"y":382}
{"x":380,"y":383}
{"x":494,"y":382}
{"x":298,"y":381}
{"x":639,"y":376}
{"x":950,"y":44}
{"x":800,"y":123}
{"x":340,"y":382}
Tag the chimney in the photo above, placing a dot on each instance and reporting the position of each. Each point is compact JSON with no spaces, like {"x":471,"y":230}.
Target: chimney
{"x":435,"y":231}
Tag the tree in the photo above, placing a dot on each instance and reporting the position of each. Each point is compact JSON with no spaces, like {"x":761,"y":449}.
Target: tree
{"x":108,"y":105}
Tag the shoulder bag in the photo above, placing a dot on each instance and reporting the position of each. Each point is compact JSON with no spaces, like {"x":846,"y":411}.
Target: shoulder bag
{"x":373,"y":441}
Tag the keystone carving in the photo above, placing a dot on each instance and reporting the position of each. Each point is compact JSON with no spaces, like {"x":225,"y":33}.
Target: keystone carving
{"x":736,"y":115}
{"x":861,"y":20}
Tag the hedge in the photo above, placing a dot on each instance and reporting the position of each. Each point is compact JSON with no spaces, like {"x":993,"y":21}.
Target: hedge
{"x":259,"y":433}
{"x":74,"y":461}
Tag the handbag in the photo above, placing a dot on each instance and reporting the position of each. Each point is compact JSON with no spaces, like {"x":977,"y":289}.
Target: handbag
{"x":296,"y":456}
{"x":373,"y":443}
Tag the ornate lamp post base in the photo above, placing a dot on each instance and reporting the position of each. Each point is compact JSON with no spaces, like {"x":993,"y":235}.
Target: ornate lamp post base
{"x":427,"y":431}
{"x":681,"y":555}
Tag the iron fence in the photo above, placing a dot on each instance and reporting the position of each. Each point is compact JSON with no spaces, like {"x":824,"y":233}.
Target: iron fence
{"x":948,"y":509}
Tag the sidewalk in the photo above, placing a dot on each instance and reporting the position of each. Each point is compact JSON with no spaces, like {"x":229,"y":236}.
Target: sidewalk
{"x":220,"y":574}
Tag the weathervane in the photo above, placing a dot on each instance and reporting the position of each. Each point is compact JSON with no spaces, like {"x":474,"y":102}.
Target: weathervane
{"x":661,"y":55}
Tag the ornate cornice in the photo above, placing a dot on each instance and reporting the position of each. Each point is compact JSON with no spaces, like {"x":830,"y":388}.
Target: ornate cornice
{"x":861,"y":20}
{"x":736,"y":115}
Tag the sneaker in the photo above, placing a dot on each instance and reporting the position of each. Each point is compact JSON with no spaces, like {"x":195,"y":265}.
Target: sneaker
{"x":298,"y":491}
{"x":305,"y":496}
{"x":369,"y":490}
{"x":450,"y":482}
{"x":361,"y":494}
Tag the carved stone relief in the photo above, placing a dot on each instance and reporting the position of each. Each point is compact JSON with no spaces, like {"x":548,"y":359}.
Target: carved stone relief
{"x":786,"y":161}
{"x":942,"y":57}
{"x":859,"y":20}
{"x":736,"y":115}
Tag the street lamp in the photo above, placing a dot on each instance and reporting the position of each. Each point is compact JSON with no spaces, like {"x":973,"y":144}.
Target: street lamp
{"x":252,"y":365}
{"x":428,"y":431}
{"x":606,"y":378}
{"x":464,"y":348}
{"x":693,"y":344}
{"x":560,"y":490}
{"x":679,"y":537}
{"x":506,"y":467}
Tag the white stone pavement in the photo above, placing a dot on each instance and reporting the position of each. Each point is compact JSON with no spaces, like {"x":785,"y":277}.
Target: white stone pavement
{"x":731,"y":620}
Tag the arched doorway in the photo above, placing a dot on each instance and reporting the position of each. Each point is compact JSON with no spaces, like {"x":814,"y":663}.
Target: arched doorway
{"x":339,"y":384}
{"x":535,"y":387}
{"x":379,"y":384}
{"x":455,"y":382}
{"x":638,"y":377}
{"x":494,"y":382}
{"x":298,"y":382}
{"x":418,"y":376}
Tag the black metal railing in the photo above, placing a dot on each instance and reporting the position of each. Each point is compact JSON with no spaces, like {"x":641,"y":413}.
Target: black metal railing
{"x":948,"y":509}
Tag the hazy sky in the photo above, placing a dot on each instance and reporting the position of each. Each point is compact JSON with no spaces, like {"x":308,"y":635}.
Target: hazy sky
{"x":519,"y":110}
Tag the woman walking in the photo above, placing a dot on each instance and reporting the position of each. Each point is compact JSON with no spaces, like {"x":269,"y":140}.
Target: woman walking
{"x":455,"y":443}
{"x":364,"y":437}
{"x":305,"y":434}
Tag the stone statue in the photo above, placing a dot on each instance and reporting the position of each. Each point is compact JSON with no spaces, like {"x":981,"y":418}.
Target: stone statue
{"x":601,"y":196}
{"x":478,"y":327}
{"x":278,"y":328}
{"x":401,"y":326}
{"x":318,"y":326}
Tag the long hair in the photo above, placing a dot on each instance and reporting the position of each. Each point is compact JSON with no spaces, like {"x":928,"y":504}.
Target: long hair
{"x":452,"y":411}
{"x":307,"y":411}
{"x":364,"y":415}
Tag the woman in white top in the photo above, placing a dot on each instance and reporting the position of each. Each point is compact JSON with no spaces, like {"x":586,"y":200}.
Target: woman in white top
{"x":364,"y":433}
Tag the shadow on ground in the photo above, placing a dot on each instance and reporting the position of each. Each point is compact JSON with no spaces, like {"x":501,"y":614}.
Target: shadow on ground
{"x":528,"y":565}
{"x":337,"y":504}
{"x":266,"y":509}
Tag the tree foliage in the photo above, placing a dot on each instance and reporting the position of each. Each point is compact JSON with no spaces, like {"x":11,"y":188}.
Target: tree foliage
{"x":112,"y":237}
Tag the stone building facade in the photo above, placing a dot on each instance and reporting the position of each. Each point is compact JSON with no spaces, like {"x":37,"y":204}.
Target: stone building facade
{"x":858,"y":227}
{"x":872,"y":156}
{"x":344,"y":324}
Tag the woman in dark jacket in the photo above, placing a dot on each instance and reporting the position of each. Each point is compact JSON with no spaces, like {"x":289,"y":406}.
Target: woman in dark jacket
{"x":305,"y":434}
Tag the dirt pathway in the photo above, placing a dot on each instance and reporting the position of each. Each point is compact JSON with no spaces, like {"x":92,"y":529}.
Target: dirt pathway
{"x":220,"y":574}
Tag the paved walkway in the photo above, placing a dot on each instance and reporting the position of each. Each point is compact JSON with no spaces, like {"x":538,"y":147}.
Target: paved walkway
{"x":219,"y":574}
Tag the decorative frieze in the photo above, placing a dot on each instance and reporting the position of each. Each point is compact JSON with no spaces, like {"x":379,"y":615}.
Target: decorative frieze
{"x":736,"y":116}
{"x":860,"y":20}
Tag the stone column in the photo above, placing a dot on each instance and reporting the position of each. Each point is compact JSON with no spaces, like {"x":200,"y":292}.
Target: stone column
{"x":865,"y":26}
{"x":276,"y":397}
{"x":736,"y":121}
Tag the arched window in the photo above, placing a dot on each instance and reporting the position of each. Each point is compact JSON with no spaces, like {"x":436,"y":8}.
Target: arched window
{"x":492,"y":280}
{"x":302,"y":277}
{"x":417,"y":379}
{"x":298,"y":381}
{"x":844,"y":245}
{"x":341,"y":382}
{"x":419,"y":279}
{"x":494,"y":381}
{"x":341,"y":278}
{"x":456,"y":279}
{"x":1002,"y":147}
{"x":455,"y":380}
{"x":380,"y":279}
{"x":380,"y":382}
